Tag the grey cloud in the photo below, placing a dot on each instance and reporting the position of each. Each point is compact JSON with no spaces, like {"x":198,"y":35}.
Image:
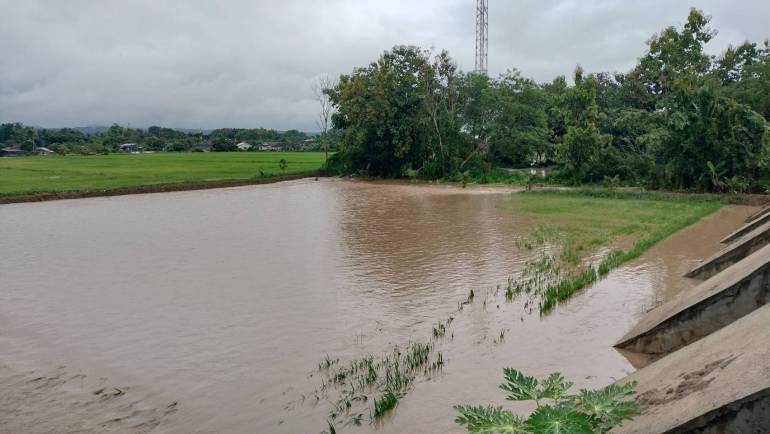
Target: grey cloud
{"x":248,"y":63}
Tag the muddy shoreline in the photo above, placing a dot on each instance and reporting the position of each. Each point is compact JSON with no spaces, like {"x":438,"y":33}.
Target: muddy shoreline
{"x":732,"y":199}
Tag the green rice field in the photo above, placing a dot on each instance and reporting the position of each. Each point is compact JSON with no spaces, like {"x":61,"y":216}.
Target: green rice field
{"x":38,"y":175}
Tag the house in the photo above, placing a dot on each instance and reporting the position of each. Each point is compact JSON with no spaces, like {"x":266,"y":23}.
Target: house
{"x":43,"y":151}
{"x":271,"y":147}
{"x":130,"y":147}
{"x":12,"y":151}
{"x":243,"y":146}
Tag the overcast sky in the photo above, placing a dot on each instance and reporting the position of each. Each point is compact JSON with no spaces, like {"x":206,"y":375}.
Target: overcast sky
{"x":251,"y":63}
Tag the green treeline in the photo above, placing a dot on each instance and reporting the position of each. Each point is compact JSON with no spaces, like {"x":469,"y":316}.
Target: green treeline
{"x":85,"y":141}
{"x":681,"y":119}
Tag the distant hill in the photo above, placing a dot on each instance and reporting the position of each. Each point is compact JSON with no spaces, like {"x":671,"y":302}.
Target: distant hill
{"x":93,"y":129}
{"x":97,"y":129}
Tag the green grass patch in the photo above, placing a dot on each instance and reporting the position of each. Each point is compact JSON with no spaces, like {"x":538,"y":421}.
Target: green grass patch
{"x":581,"y":223}
{"x":20,"y":176}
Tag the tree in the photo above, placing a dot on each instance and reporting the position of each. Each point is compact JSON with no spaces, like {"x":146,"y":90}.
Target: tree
{"x":583,"y":146}
{"x":478,"y":112}
{"x":735,"y":60}
{"x":520,"y":134}
{"x":442,"y":104}
{"x":322,"y":91}
{"x":705,"y":126}
{"x":676,"y":55}
{"x":747,"y":77}
{"x":384,"y":111}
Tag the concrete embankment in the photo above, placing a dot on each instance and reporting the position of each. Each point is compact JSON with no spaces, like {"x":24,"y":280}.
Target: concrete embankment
{"x":720,"y":384}
{"x":758,"y":214}
{"x":747,"y":228}
{"x":712,"y":345}
{"x":696,"y":313}
{"x":733,"y":253}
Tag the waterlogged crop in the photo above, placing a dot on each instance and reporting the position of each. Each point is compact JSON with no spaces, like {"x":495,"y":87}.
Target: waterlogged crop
{"x":374,"y":382}
{"x":571,"y":230}
{"x":588,"y":412}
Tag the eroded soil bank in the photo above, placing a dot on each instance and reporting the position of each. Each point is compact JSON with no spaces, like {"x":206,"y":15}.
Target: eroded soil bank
{"x":209,"y":311}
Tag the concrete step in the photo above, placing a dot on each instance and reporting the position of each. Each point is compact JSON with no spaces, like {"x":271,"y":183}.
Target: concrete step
{"x":758,"y":214}
{"x":733,"y":253}
{"x":720,"y":384}
{"x":748,"y":227}
{"x":713,"y":304}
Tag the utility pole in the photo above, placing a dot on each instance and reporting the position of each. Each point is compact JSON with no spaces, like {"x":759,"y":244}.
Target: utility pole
{"x":482,"y":36}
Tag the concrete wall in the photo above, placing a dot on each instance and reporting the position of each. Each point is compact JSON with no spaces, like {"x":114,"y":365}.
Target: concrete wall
{"x":748,"y":227}
{"x":701,"y":319}
{"x":747,"y":245}
{"x":719,"y":384}
{"x":750,"y":415}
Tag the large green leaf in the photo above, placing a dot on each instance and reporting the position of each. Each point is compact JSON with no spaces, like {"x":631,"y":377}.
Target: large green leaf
{"x":490,"y":420}
{"x":609,"y":406}
{"x":559,"y":420}
{"x":520,"y":387}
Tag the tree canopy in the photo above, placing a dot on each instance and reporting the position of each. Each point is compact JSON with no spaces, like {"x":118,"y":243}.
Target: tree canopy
{"x":680,"y":119}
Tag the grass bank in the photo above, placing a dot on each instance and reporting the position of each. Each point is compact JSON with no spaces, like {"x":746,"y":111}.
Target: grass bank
{"x":584,"y":234}
{"x":55,"y":177}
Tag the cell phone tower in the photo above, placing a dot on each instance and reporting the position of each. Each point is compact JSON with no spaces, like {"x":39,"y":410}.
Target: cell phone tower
{"x":482,"y":36}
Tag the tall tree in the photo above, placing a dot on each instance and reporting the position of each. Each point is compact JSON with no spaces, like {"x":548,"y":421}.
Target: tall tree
{"x":322,"y":91}
{"x":677,"y":55}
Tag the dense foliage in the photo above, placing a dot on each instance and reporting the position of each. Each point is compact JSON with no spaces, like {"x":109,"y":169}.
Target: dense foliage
{"x":106,"y":140}
{"x":588,"y":412}
{"x":681,"y":119}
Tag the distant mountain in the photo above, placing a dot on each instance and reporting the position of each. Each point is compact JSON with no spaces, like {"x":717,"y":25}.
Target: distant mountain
{"x":97,"y":129}
{"x":93,"y":129}
{"x":192,"y":130}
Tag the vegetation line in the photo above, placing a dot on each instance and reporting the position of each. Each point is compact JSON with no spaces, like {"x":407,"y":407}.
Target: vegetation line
{"x":153,"y":188}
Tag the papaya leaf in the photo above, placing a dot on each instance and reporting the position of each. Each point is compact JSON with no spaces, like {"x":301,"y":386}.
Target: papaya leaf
{"x":490,"y":420}
{"x":520,"y":387}
{"x":559,"y":420}
{"x":609,"y":406}
{"x":555,"y":386}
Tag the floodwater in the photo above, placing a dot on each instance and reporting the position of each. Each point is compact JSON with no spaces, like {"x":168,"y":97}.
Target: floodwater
{"x":209,"y":311}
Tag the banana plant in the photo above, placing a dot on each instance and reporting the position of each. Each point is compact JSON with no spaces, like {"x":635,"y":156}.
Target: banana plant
{"x":716,"y":175}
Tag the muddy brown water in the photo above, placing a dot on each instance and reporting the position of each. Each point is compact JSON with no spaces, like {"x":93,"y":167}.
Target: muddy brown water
{"x":208,"y":311}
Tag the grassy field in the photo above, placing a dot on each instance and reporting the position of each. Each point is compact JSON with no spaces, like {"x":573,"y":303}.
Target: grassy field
{"x":581,"y":224}
{"x":23,"y":176}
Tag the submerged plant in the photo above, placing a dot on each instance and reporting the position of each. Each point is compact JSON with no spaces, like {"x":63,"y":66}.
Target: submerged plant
{"x":588,"y":412}
{"x":387,"y":402}
{"x":439,"y":330}
{"x":379,"y":380}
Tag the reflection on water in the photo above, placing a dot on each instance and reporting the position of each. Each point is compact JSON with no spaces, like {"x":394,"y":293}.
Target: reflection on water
{"x":226,"y":300}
